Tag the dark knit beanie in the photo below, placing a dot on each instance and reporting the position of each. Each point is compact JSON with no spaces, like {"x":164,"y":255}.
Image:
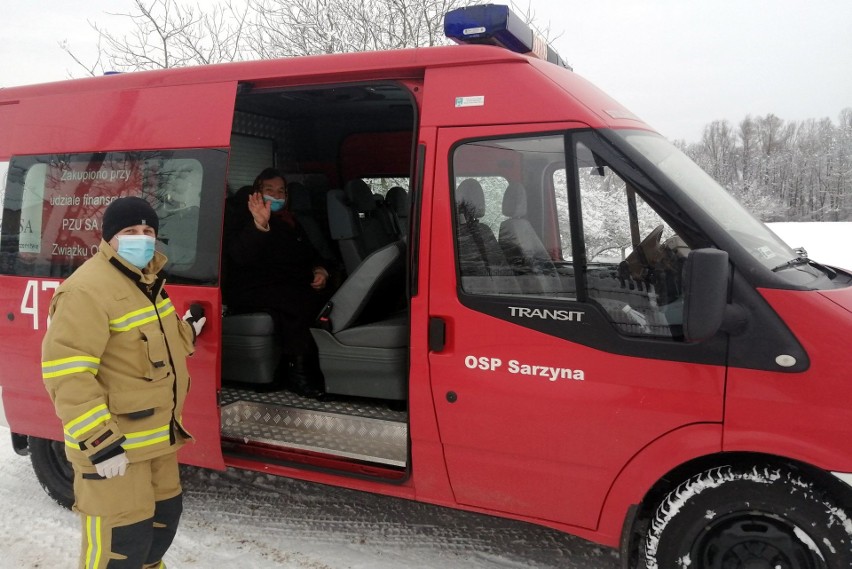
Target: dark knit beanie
{"x":125,"y":212}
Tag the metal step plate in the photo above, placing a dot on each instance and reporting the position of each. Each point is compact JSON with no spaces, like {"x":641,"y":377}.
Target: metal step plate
{"x":370,"y":439}
{"x":356,"y":406}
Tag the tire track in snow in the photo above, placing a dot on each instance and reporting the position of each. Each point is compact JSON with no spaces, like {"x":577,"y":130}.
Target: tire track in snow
{"x":244,"y":519}
{"x":289,"y":509}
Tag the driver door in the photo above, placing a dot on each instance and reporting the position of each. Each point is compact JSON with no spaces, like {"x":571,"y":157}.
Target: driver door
{"x":554,"y":374}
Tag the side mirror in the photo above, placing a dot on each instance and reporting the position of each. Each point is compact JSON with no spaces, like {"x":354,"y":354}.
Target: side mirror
{"x":706,"y":276}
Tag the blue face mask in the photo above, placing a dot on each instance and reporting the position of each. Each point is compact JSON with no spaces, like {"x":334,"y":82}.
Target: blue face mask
{"x":277,"y":205}
{"x":138,"y":250}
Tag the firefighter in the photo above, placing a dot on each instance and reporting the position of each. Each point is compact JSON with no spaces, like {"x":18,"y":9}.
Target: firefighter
{"x":114,"y":364}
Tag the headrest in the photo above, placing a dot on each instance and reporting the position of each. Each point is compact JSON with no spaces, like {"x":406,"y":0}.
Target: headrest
{"x":470,"y":200}
{"x":341,"y":221}
{"x":359,"y":194}
{"x":515,"y":200}
{"x":316,"y":183}
{"x":398,"y":201}
{"x":300,"y":198}
{"x":241,"y":196}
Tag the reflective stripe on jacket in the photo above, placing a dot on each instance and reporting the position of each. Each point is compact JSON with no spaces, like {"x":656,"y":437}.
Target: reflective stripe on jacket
{"x":114,"y":360}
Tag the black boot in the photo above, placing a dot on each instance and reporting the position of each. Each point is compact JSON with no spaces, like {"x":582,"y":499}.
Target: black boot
{"x":304,"y":377}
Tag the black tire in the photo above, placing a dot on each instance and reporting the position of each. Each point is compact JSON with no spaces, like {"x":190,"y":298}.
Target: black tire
{"x":749,"y":518}
{"x":53,"y":470}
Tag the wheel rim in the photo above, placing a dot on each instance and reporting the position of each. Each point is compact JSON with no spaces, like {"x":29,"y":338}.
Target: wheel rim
{"x":60,"y":461}
{"x":755,"y":541}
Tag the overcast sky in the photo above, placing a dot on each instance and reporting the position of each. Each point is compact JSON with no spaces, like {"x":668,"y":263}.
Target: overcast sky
{"x":678,"y":64}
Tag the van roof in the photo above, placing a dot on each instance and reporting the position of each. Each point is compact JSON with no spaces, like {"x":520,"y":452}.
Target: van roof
{"x":305,"y":69}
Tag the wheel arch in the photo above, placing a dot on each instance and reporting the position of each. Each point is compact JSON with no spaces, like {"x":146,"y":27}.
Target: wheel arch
{"x":640,"y":509}
{"x":622,"y":509}
{"x":20,"y":444}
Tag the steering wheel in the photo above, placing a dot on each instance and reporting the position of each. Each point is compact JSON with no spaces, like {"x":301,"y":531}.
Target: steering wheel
{"x":650,"y":246}
{"x":646,"y":254}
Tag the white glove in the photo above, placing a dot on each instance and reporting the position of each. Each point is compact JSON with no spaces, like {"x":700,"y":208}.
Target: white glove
{"x":197,"y":324}
{"x":115,"y":466}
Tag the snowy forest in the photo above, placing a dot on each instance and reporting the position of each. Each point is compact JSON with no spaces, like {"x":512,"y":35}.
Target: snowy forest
{"x":782,"y":171}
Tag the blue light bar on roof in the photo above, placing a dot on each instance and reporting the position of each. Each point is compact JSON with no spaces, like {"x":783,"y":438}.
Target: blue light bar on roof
{"x":494,"y":24}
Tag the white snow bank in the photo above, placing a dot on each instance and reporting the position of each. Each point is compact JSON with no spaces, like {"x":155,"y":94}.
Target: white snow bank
{"x":826,"y":243}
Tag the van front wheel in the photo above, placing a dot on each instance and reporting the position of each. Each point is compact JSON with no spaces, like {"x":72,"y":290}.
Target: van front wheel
{"x":53,"y":470}
{"x":740,"y":518}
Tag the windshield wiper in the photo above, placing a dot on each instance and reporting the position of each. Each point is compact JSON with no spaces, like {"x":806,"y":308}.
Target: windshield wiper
{"x":800,"y":259}
{"x":792,"y":263}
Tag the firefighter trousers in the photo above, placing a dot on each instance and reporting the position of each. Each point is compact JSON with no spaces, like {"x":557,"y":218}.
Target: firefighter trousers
{"x":128,"y":521}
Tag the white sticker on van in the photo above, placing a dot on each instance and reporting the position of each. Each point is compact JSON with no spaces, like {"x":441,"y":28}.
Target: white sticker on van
{"x":477,"y":101}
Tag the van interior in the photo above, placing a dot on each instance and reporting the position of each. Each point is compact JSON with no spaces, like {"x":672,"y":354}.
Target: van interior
{"x":347,"y":155}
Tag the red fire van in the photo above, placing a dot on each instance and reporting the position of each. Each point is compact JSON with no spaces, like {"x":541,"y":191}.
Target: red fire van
{"x":542,"y":309}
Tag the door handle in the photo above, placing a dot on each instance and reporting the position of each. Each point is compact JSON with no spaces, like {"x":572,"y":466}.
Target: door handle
{"x":437,"y":334}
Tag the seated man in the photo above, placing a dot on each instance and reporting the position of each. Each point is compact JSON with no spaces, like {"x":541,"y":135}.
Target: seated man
{"x":273,"y":268}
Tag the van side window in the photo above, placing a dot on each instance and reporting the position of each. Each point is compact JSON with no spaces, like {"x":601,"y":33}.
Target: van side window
{"x":381,"y":185}
{"x":53,"y":207}
{"x":634,"y":260}
{"x":504,"y":217}
{"x":545,"y":226}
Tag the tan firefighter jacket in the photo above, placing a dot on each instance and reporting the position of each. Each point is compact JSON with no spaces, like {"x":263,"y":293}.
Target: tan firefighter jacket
{"x":114,"y":361}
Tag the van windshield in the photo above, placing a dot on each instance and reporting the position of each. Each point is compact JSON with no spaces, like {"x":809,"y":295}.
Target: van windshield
{"x":754,"y":237}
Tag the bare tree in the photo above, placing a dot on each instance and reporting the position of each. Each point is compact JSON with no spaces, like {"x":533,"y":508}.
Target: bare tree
{"x":306,"y":27}
{"x":783,"y":171}
{"x":748,"y":138}
{"x":167,"y":33}
{"x":719,"y":143}
{"x":173,"y":33}
{"x":841,"y":178}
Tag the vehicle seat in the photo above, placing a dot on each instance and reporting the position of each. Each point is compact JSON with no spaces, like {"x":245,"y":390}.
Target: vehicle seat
{"x":374,"y":220}
{"x":250,"y":352}
{"x":362,"y":334}
{"x":399,"y":205}
{"x":483,"y":265}
{"x":357,"y":223}
{"x":522,"y":247}
{"x":236,"y":207}
{"x":302,"y":207}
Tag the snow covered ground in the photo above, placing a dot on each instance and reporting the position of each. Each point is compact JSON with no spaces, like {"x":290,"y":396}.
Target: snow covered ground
{"x":254,"y":521}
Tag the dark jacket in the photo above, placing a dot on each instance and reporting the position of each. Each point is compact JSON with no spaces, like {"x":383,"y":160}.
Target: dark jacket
{"x":272,"y":271}
{"x":272,"y":268}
